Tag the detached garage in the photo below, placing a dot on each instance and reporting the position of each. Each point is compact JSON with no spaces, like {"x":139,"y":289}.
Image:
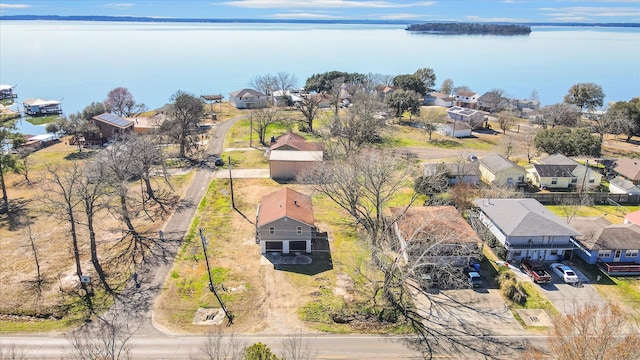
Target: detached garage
{"x":287,"y":164}
{"x":285,"y":222}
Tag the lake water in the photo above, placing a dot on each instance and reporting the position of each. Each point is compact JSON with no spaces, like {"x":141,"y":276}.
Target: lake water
{"x":79,"y":62}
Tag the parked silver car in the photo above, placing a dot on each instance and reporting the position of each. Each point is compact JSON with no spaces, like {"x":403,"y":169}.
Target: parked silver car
{"x":565,"y":273}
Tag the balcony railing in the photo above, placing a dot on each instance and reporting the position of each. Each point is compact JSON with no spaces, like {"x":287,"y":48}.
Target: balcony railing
{"x":509,"y":246}
{"x":626,"y":268}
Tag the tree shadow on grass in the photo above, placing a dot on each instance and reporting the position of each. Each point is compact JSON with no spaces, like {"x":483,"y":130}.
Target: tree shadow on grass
{"x":18,"y":215}
{"x":80,"y":155}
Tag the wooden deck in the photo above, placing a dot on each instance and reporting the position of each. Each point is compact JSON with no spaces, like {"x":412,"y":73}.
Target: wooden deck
{"x":620,"y":268}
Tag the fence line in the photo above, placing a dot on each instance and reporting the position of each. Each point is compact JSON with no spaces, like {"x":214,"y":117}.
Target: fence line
{"x":597,"y":198}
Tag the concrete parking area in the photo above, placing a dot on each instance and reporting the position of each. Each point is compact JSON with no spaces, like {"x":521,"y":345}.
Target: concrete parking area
{"x":566,"y":298}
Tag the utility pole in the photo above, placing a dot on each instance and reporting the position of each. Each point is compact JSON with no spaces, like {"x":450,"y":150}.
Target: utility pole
{"x":211,"y":287}
{"x":233,"y":203}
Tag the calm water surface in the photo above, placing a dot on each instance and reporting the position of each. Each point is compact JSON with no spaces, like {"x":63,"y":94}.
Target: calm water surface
{"x":79,"y":62}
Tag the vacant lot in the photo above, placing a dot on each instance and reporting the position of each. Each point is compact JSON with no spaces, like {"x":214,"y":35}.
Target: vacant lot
{"x":35,"y":227}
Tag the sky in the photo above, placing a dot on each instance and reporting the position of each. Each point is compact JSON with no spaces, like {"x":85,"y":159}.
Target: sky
{"x":590,"y":11}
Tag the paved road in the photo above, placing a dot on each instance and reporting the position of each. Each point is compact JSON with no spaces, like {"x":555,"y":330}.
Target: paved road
{"x":137,"y":303}
{"x":320,"y":347}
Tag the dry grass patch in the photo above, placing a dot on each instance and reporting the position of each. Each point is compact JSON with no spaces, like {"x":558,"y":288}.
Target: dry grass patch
{"x":24,"y":306}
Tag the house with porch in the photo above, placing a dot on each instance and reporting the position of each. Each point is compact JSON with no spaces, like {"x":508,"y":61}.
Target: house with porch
{"x":466,"y":99}
{"x":285,"y":222}
{"x":548,"y":176}
{"x":499,"y":171}
{"x":526,"y":229}
{"x":615,"y":248}
{"x":435,"y":234}
{"x":582,"y":176}
{"x":248,"y":99}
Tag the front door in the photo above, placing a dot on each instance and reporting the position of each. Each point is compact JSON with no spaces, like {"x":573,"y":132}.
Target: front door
{"x":617,"y":255}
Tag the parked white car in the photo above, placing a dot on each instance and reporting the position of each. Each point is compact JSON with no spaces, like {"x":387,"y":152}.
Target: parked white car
{"x":565,"y":273}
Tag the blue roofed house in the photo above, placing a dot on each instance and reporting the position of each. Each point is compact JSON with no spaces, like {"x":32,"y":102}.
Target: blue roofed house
{"x":615,"y":248}
{"x":526,"y":229}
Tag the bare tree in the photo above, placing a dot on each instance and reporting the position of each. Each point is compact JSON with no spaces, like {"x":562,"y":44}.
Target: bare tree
{"x":357,"y":127}
{"x":263,"y":118}
{"x":297,"y":347}
{"x":107,"y":338}
{"x":571,"y":207}
{"x":309,"y":107}
{"x":363,"y":185}
{"x":506,"y":119}
{"x":265,"y":84}
{"x":221,"y":347}
{"x":118,"y":170}
{"x":92,"y":191}
{"x":184,"y":116}
{"x":120,"y":102}
{"x":11,"y":352}
{"x":595,"y":332}
{"x":284,"y":83}
{"x":560,"y":114}
{"x":431,"y":119}
{"x":61,"y":196}
{"x":447,"y":86}
{"x":527,"y":142}
{"x":432,"y":250}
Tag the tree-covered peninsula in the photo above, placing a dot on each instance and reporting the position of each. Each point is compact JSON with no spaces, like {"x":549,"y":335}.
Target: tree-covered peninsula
{"x":470,"y":28}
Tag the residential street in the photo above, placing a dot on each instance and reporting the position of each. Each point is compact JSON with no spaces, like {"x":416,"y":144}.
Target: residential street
{"x":140,"y":300}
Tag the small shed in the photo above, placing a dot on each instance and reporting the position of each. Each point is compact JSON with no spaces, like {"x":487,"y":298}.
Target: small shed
{"x":457,"y":129}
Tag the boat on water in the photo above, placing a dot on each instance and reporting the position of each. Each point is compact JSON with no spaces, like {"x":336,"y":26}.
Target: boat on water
{"x":6,"y":92}
{"x":39,"y":107}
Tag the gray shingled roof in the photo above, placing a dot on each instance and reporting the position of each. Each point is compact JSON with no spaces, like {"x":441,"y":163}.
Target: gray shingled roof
{"x":601,"y":234}
{"x":558,"y":159}
{"x":524,"y":217}
{"x":496,"y":163}
{"x":546,"y":170}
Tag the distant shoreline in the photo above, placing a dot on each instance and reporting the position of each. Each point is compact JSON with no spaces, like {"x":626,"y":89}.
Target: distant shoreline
{"x":279,"y":21}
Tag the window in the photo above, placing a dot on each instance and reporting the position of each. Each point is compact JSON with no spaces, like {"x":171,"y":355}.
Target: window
{"x":554,"y":252}
{"x":603,"y":254}
{"x":592,"y":180}
{"x":631,"y":253}
{"x":554,"y":181}
{"x":574,"y":180}
{"x":517,"y":253}
{"x":272,"y":230}
{"x":299,"y":230}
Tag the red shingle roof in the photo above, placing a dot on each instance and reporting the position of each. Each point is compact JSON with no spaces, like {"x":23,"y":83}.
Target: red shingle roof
{"x":422,"y":222}
{"x":294,"y":141}
{"x":285,"y":203}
